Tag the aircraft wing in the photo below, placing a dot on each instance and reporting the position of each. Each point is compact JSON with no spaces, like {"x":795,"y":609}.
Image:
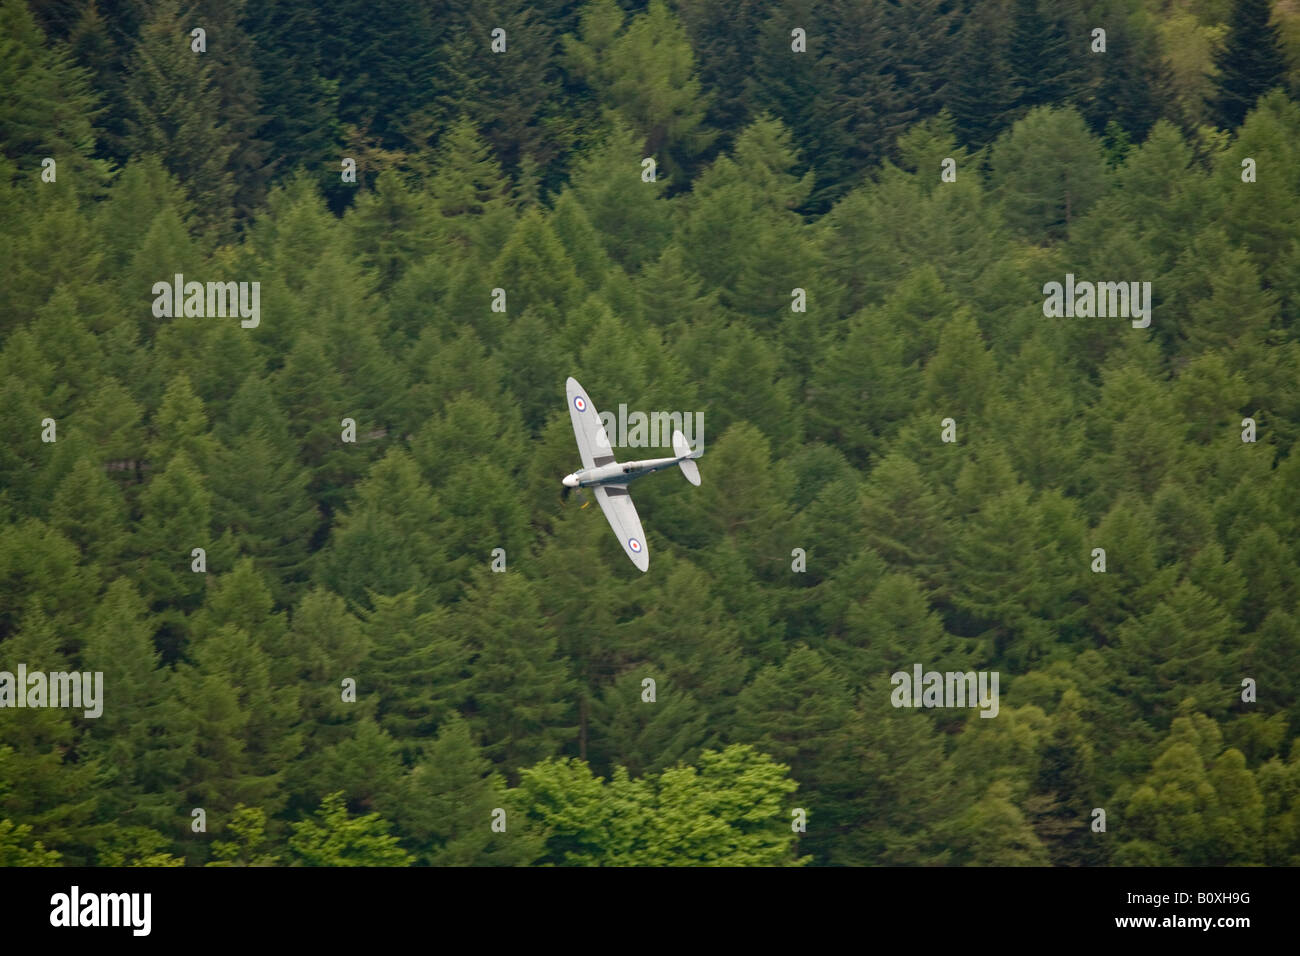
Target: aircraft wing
{"x":617,"y":505}
{"x":593,"y":443}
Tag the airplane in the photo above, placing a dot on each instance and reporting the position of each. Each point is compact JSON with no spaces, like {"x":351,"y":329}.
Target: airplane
{"x":608,"y":479}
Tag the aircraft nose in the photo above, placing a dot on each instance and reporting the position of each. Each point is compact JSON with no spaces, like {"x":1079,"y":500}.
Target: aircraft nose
{"x":570,"y":481}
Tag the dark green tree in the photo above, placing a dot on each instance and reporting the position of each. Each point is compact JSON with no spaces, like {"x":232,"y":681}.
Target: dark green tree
{"x":1250,"y":63}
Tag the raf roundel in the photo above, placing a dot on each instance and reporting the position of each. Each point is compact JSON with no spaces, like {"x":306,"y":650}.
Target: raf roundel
{"x":579,"y":403}
{"x":635,"y":545}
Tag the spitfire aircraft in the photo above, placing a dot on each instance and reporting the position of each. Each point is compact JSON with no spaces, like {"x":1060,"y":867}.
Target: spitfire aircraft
{"x":608,"y":479}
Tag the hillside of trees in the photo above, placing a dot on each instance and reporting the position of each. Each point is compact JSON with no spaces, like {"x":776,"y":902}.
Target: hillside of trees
{"x":838,"y":538}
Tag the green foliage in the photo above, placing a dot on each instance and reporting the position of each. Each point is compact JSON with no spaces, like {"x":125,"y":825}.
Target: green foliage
{"x":49,"y":109}
{"x":449,"y":802}
{"x":172,"y":100}
{"x":646,"y":72}
{"x":16,"y":851}
{"x":1049,"y":170}
{"x":249,"y":846}
{"x":136,"y":846}
{"x":335,"y":838}
{"x":354,"y":631}
{"x":730,"y":810}
{"x":1251,"y":61}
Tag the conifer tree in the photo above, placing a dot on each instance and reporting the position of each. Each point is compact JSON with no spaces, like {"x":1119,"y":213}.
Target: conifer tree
{"x":520,"y":694}
{"x":1250,"y":63}
{"x":415,"y":666}
{"x":645,"y":736}
{"x":49,"y":105}
{"x":980,"y":93}
{"x":451,"y":792}
{"x":647,"y":73}
{"x":1045,"y":52}
{"x":139,"y":743}
{"x":42,"y":785}
{"x":174,"y":109}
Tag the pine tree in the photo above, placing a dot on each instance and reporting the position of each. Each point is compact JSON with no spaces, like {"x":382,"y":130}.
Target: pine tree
{"x":40,"y":573}
{"x":385,"y":543}
{"x":1049,"y":170}
{"x":311,"y":392}
{"x":534,"y":270}
{"x":867,"y":107}
{"x":926,"y":36}
{"x":647,"y":73}
{"x":175,"y":109}
{"x":1270,"y":574}
{"x":630,"y":217}
{"x":367,"y":765}
{"x":1181,"y":650}
{"x":391,"y":227}
{"x":892,"y":625}
{"x":452,"y":793}
{"x":705,"y":658}
{"x":745,"y":386}
{"x":903,"y":519}
{"x":1065,"y":779}
{"x":980,"y":93}
{"x":53,"y":243}
{"x":520,"y":693}
{"x":238,"y":84}
{"x":1260,"y":218}
{"x":721,"y":33}
{"x":1045,"y":52}
{"x":752,"y":514}
{"x":1131,"y":83}
{"x":260,"y":493}
{"x":515,"y":96}
{"x":797,"y":713}
{"x":415,"y":667}
{"x":1180,"y":810}
{"x":176,"y":518}
{"x":1250,"y":62}
{"x":899,"y":817}
{"x":323,"y":646}
{"x":300,"y":103}
{"x":139,"y":744}
{"x":241,"y":725}
{"x":42,"y":784}
{"x":181,"y":425}
{"x":753,"y":191}
{"x":88,"y":510}
{"x":646,"y":736}
{"x":49,"y":104}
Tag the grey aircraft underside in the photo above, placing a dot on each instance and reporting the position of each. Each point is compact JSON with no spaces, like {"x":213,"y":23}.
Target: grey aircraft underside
{"x":608,"y":479}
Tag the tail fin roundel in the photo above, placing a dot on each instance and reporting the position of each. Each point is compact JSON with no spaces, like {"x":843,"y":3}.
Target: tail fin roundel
{"x":685,"y":458}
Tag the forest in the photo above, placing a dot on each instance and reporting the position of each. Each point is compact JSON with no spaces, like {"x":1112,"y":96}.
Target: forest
{"x":342,"y":611}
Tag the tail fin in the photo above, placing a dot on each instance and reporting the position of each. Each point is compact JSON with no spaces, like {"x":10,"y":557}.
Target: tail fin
{"x":685,"y":458}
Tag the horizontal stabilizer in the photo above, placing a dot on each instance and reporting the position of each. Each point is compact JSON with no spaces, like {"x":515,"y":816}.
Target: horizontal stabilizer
{"x":684,"y":458}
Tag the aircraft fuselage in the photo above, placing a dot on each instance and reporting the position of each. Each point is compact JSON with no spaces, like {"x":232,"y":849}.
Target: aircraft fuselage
{"x":616,"y":472}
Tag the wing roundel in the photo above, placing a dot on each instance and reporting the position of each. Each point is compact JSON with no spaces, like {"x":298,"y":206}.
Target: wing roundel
{"x":617,"y":505}
{"x":593,"y":443}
